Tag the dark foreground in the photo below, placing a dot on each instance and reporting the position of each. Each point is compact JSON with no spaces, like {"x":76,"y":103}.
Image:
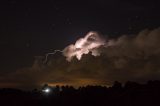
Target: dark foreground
{"x":131,"y":94}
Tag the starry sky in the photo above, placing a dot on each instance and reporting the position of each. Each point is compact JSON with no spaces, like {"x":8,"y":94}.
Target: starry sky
{"x":31,"y":28}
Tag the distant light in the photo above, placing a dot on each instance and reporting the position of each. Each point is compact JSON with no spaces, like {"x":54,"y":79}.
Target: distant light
{"x":47,"y":90}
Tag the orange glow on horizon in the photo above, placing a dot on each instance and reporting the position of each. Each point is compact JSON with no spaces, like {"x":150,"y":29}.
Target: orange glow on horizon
{"x":81,"y":82}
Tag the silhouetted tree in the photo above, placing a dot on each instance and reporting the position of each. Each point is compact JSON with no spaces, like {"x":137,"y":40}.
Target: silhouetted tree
{"x":132,"y":94}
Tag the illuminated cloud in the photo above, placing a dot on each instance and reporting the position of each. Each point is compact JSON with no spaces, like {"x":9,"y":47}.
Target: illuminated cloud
{"x":90,"y":43}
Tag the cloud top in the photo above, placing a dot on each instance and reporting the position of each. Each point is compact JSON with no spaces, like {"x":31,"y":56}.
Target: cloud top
{"x":90,"y":43}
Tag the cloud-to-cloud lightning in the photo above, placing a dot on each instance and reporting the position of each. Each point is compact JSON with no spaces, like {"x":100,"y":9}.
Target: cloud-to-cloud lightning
{"x":55,"y":51}
{"x":90,"y":43}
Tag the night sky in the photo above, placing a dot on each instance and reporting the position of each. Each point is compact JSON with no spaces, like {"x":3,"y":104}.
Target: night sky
{"x":31,"y":28}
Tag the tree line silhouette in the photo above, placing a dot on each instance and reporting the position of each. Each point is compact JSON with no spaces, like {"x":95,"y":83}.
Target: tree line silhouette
{"x":129,"y":94}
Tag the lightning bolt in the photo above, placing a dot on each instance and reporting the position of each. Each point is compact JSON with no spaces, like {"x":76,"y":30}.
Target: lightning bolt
{"x":52,"y":53}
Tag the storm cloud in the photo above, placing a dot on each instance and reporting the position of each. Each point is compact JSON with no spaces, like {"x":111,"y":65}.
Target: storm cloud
{"x":129,"y":57}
